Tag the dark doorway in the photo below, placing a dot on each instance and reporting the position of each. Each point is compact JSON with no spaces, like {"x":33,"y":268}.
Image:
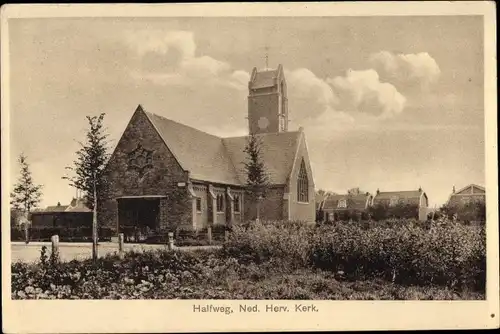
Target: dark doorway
{"x":138,"y":218}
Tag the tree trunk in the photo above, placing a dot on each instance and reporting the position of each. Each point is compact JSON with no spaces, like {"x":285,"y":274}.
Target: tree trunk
{"x":94,"y":227}
{"x":258,"y":210}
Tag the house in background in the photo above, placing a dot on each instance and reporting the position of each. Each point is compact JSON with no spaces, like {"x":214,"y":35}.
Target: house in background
{"x":466,"y":195}
{"x":396,"y":199}
{"x":353,"y":205}
{"x":75,"y":214}
{"x":164,"y":174}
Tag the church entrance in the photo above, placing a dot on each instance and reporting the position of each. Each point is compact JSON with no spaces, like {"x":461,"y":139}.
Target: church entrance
{"x":138,"y":218}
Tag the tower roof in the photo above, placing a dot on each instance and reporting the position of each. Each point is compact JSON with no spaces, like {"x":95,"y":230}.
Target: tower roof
{"x":264,"y":78}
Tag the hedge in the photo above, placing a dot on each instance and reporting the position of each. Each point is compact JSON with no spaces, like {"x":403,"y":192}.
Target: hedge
{"x":406,"y":251}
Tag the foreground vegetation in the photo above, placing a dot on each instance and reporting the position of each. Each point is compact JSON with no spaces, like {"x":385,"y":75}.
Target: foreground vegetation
{"x":281,"y":261}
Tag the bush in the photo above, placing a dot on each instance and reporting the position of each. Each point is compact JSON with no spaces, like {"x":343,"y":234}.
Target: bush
{"x":287,"y":243}
{"x":473,"y":211}
{"x":207,"y":274}
{"x":444,"y":255}
{"x":404,"y":251}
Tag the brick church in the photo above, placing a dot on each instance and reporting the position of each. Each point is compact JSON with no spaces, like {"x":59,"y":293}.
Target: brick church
{"x":163,"y":173}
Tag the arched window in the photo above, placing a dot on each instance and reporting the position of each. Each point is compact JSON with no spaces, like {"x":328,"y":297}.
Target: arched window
{"x":302,"y":184}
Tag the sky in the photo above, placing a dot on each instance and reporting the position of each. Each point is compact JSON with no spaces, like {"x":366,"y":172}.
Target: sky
{"x":389,"y":103}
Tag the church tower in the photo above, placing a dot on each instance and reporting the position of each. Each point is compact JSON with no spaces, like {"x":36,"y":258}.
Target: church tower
{"x":267,"y":101}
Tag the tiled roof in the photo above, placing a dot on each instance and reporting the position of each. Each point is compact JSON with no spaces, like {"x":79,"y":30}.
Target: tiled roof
{"x":410,"y":196}
{"x":357,"y":202}
{"x":77,"y":205}
{"x":56,"y":208}
{"x":470,"y":189}
{"x":319,"y":199}
{"x":277,"y":150}
{"x":214,"y":159}
{"x":264,"y":79}
{"x":198,"y":152}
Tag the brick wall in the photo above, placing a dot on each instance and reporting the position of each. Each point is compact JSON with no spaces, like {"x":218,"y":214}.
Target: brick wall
{"x":266,"y":105}
{"x":160,"y":179}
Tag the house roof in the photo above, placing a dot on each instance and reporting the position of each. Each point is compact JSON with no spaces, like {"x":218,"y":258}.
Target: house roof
{"x":357,"y":202}
{"x":470,"y":186}
{"x":319,"y":199}
{"x":76,"y":205}
{"x":467,"y":192}
{"x":220,"y":160}
{"x":56,"y":208}
{"x":399,"y":194}
{"x":409,"y":196}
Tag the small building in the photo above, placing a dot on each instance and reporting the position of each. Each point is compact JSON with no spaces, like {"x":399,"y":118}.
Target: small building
{"x":466,"y":195}
{"x":403,"y":204}
{"x":75,"y":214}
{"x":346,"y":206}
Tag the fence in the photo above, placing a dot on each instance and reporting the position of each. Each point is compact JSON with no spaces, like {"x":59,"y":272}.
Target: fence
{"x":81,"y":234}
{"x":208,"y":236}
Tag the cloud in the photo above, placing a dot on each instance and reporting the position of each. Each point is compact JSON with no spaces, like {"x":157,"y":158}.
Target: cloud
{"x":161,"y":42}
{"x":169,"y":58}
{"x":306,"y":84}
{"x":418,"y":68}
{"x":363,"y":92}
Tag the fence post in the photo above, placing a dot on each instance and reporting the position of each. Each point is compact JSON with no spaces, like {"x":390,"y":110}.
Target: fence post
{"x":226,"y":235}
{"x":170,"y":241}
{"x":121,"y":238}
{"x":55,"y":246}
{"x":209,"y":234}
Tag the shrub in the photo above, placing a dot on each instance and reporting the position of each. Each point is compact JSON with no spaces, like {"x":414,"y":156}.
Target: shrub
{"x":198,"y":275}
{"x":404,"y":251}
{"x":285,"y":242}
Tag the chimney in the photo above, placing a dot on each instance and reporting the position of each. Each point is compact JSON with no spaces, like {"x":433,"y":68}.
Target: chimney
{"x":378,"y":191}
{"x":58,"y":203}
{"x":453,"y":189}
{"x":419,"y":189}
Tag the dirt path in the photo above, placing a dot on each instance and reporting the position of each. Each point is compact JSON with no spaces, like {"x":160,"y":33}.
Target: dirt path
{"x":70,"y":251}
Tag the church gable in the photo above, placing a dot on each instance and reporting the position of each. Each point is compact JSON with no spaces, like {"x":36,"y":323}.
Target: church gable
{"x":300,"y":180}
{"x":141,"y":163}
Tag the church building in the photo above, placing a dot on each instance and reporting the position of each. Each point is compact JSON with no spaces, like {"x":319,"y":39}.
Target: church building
{"x":164,"y":174}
